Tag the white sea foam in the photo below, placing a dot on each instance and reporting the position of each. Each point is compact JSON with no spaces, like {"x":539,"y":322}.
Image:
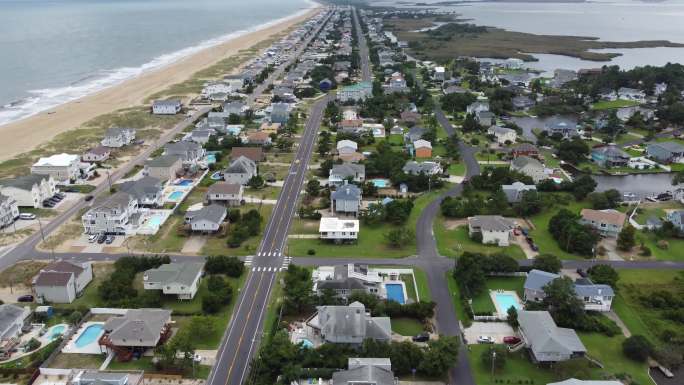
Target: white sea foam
{"x":45,"y":99}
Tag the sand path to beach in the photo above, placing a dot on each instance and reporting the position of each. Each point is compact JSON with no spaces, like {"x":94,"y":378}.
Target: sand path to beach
{"x":24,"y":135}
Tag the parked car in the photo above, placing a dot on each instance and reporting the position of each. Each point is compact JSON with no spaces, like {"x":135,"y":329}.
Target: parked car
{"x":27,"y":216}
{"x":511,"y":340}
{"x":25,"y":298}
{"x":109,"y":239}
{"x":534,"y":247}
{"x":582,"y":273}
{"x":516,"y":231}
{"x":92,"y":238}
{"x":422,"y":337}
{"x":61,"y":195}
{"x":485,"y":340}
{"x":525,"y":232}
{"x":101,"y":238}
{"x":57,"y":198}
{"x":48,"y":204}
{"x":88,"y":198}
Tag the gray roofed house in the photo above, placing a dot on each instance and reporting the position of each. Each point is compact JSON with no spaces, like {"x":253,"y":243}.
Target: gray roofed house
{"x":609,"y":156}
{"x":164,"y":167}
{"x":229,"y":194}
{"x":9,"y":210}
{"x":116,"y":215}
{"x":166,"y":107}
{"x":495,"y":229}
{"x":514,"y":192}
{"x":201,"y":136}
{"x":138,"y":328}
{"x":94,"y":377}
{"x":341,"y":172}
{"x":566,"y":127}
{"x":207,"y":219}
{"x":12,"y":318}
{"x":677,"y":218}
{"x":235,"y":108}
{"x":546,"y":341}
{"x":118,"y":137}
{"x":29,"y":190}
{"x":147,"y":190}
{"x":596,"y":297}
{"x":189,"y":152}
{"x":181,"y":279}
{"x":366,"y":371}
{"x":427,"y":168}
{"x":485,"y":118}
{"x":521,"y":102}
{"x":344,"y":285}
{"x":414,"y":133}
{"x":530,"y":167}
{"x":346,"y":199}
{"x":61,"y":281}
{"x":665,"y":152}
{"x":240,"y":171}
{"x":349,"y":324}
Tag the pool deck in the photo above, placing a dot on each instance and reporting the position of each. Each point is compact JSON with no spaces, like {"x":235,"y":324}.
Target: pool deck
{"x":503,"y":312}
{"x":91,"y":348}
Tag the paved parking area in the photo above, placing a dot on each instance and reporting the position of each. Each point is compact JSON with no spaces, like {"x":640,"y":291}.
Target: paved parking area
{"x":85,"y":246}
{"x":496,"y":330}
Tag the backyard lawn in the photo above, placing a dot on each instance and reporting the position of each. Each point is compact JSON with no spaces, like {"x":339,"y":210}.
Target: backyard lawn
{"x":452,"y":243}
{"x":517,"y":370}
{"x":674,"y":251}
{"x":218,"y":246}
{"x":612,"y":104}
{"x":90,"y":297}
{"x":406,"y":326}
{"x":543,"y":238}
{"x":457,"y":169}
{"x":608,"y":351}
{"x":483,"y":302}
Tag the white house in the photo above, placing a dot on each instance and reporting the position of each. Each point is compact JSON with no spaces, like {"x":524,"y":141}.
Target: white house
{"x":495,"y":229}
{"x":96,"y":154}
{"x":607,"y":222}
{"x":208,"y":219}
{"x":341,"y":172}
{"x":440,"y":73}
{"x":595,"y":297}
{"x":631,"y":94}
{"x":335,"y":229}
{"x":29,"y":190}
{"x":62,"y":167}
{"x":229,"y":194}
{"x":112,"y":216}
{"x":9,"y":210}
{"x":166,"y":107}
{"x":503,"y":135}
{"x":179,"y":279}
{"x":118,"y":137}
{"x":530,"y":167}
{"x":478,"y":106}
{"x":240,"y":171}
{"x":61,"y":281}
{"x":346,"y":147}
{"x":355,"y":92}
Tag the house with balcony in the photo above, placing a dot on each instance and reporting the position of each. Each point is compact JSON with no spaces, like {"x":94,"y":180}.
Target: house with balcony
{"x":116,"y":215}
{"x":595,"y":297}
{"x":227,"y":194}
{"x":340,"y":173}
{"x":177,"y":279}
{"x":29,"y":190}
{"x":9,"y":210}
{"x":137,"y":331}
{"x":64,"y":168}
{"x":148,"y":190}
{"x":346,"y":200}
{"x":609,"y":156}
{"x":338,"y":230}
{"x":188,"y":152}
{"x":344,"y":280}
{"x":117,"y":137}
{"x":607,"y":222}
{"x":495,"y":229}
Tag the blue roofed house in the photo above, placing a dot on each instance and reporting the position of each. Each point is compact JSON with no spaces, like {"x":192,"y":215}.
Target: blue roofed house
{"x":665,"y":152}
{"x":609,"y":156}
{"x":346,"y":199}
{"x":595,"y":297}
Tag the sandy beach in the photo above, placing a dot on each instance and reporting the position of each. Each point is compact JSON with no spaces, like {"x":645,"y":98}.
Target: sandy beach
{"x":24,"y":135}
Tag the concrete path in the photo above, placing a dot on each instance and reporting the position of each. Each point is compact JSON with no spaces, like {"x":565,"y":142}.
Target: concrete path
{"x":250,"y":199}
{"x":612,"y":315}
{"x":194,"y":244}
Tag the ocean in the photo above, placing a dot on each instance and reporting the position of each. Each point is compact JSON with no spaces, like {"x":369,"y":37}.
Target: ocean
{"x":609,"y":20}
{"x":55,"y":51}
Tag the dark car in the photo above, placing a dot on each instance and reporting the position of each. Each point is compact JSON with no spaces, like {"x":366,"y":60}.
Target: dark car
{"x":422,"y":337}
{"x":88,"y":198}
{"x":511,"y":340}
{"x":534,"y":247}
{"x":525,"y":232}
{"x":48,"y":204}
{"x":25,"y":298}
{"x":60,"y":195}
{"x":101,"y":238}
{"x":582,"y":273}
{"x":57,"y":198}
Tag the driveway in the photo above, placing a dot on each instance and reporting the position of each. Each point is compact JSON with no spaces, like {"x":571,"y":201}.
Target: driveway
{"x":496,"y":330}
{"x":194,"y":244}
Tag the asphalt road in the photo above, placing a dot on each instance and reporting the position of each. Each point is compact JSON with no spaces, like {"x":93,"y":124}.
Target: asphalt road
{"x":363,"y":49}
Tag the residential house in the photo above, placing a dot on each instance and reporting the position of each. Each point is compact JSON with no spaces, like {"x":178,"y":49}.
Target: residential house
{"x":347,"y":279}
{"x":136,"y":330}
{"x":61,"y":281}
{"x":12,"y":319}
{"x":235,"y":108}
{"x":255,"y":154}
{"x":427,"y":168}
{"x":565,"y":127}
{"x":477,"y":106}
{"x":166,"y":107}
{"x":514,"y":192}
{"x":485,"y":118}
{"x":346,"y":146}
{"x":547,"y":342}
{"x":258,"y":138}
{"x":503,"y":135}
{"x":165,"y":167}
{"x":422,"y":148}
{"x":338,"y":230}
{"x":530,"y":167}
{"x":9,"y":210}
{"x":352,"y":126}
{"x":349,"y":324}
{"x":367,"y":371}
{"x":340,"y":173}
{"x":63,"y":168}
{"x":270,"y":128}
{"x":240,"y":171}
{"x":562,"y":76}
{"x":208,"y":219}
{"x":495,"y":229}
{"x":595,"y":297}
{"x":113,"y":216}
{"x":201,"y":136}
{"x":93,"y":377}
{"x":625,"y":113}
{"x":234,"y":129}
{"x":522,"y":103}
{"x":228,"y":194}
{"x":524,"y":149}
{"x":280,"y":113}
{"x":454,"y":89}
{"x":349,"y":113}
{"x":609,"y":156}
{"x":188,"y":152}
{"x":631,"y":94}
{"x":346,"y":199}
{"x":29,"y":190}
{"x":414,"y":134}
{"x":118,"y":137}
{"x":665,"y":152}
{"x":409,"y":117}
{"x":659,"y":89}
{"x":96,"y":154}
{"x":179,"y":279}
{"x":439,"y":74}
{"x":355,"y":92}
{"x":608,"y":222}
{"x":676,"y":217}
{"x":148,"y":190}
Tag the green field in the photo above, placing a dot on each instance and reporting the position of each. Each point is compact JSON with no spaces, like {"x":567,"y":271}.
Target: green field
{"x":457,"y":169}
{"x":608,"y":351}
{"x":452,"y":243}
{"x":612,"y":104}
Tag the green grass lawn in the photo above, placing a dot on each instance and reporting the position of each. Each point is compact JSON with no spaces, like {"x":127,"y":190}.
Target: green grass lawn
{"x":452,"y":243}
{"x":608,"y":350}
{"x":421,"y":281}
{"x":455,"y":292}
{"x":549,"y":159}
{"x":670,"y":139}
{"x":406,"y":326}
{"x":90,"y":297}
{"x":273,"y":309}
{"x":543,"y":238}
{"x":612,"y":104}
{"x":518,"y":369}
{"x":674,"y":251}
{"x":268,"y":192}
{"x":483,"y":302}
{"x":396,"y":140}
{"x":217,"y":245}
{"x":457,"y":169}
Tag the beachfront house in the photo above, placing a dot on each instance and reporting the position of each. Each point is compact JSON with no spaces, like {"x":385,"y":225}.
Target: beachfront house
{"x":166,"y":107}
{"x":113,"y":216}
{"x":116,"y":137}
{"x":206,"y":220}
{"x":346,"y":199}
{"x":179,"y":279}
{"x":340,"y":173}
{"x":514,"y":192}
{"x":665,"y":152}
{"x":530,"y":167}
{"x":64,"y":168}
{"x":29,"y":190}
{"x":607,"y":222}
{"x":349,"y":324}
{"x":493,"y":229}
{"x":338,"y":230}
{"x":595,"y":297}
{"x":165,"y":167}
{"x":228,"y":194}
{"x":61,"y":281}
{"x":9,"y":210}
{"x":547,"y":342}
{"x":367,"y":371}
{"x":240,"y":171}
{"x":96,"y":154}
{"x":188,"y":152}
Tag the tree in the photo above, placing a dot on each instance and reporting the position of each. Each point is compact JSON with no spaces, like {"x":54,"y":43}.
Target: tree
{"x":313,"y":187}
{"x":470,"y":124}
{"x":573,"y":151}
{"x":201,"y":327}
{"x":211,"y":303}
{"x":440,"y":355}
{"x":298,"y":295}
{"x":562,"y":302}
{"x":530,"y":203}
{"x":626,"y":238}
{"x":604,"y":274}
{"x":469,"y":274}
{"x":582,"y":186}
{"x":75,"y":317}
{"x":256,"y":182}
{"x":399,"y":237}
{"x":512,"y":316}
{"x":637,"y":348}
{"x":547,"y":262}
{"x":494,"y":357}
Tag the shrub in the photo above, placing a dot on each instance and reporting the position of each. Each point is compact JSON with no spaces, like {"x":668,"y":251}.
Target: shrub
{"x":663,"y":244}
{"x":645,"y":251}
{"x":637,"y":348}
{"x":311,"y":252}
{"x":211,"y":303}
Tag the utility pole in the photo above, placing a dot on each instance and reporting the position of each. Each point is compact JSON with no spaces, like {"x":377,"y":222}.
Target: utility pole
{"x":493,"y":359}
{"x":42,"y":235}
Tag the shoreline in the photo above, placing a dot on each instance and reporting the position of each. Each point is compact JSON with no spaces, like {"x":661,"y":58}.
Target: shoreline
{"x":29,"y":133}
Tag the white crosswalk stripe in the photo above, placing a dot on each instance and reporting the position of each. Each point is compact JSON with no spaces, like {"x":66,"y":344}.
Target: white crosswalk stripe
{"x":248,"y":260}
{"x":254,"y":269}
{"x":286,"y":262}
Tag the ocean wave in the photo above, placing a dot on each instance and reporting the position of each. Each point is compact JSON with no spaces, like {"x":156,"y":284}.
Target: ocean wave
{"x":44,"y":99}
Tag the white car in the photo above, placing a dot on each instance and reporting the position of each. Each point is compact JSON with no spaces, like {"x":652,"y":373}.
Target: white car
{"x":92,"y":238}
{"x":485,"y":340}
{"x":27,"y":216}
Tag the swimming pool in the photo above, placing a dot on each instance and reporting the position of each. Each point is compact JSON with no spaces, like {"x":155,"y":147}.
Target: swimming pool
{"x":505,"y":301}
{"x":216,"y":176}
{"x":56,"y":331}
{"x":155,"y":221}
{"x":89,"y":335}
{"x":379,"y":183}
{"x":395,"y":292}
{"x":211,"y":158}
{"x":185,"y":182}
{"x":175,"y":196}
{"x":306,"y":343}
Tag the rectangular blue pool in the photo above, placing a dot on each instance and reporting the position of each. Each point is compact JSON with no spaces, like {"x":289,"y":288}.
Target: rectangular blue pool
{"x":506,"y":301}
{"x":395,"y":292}
{"x":175,"y":196}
